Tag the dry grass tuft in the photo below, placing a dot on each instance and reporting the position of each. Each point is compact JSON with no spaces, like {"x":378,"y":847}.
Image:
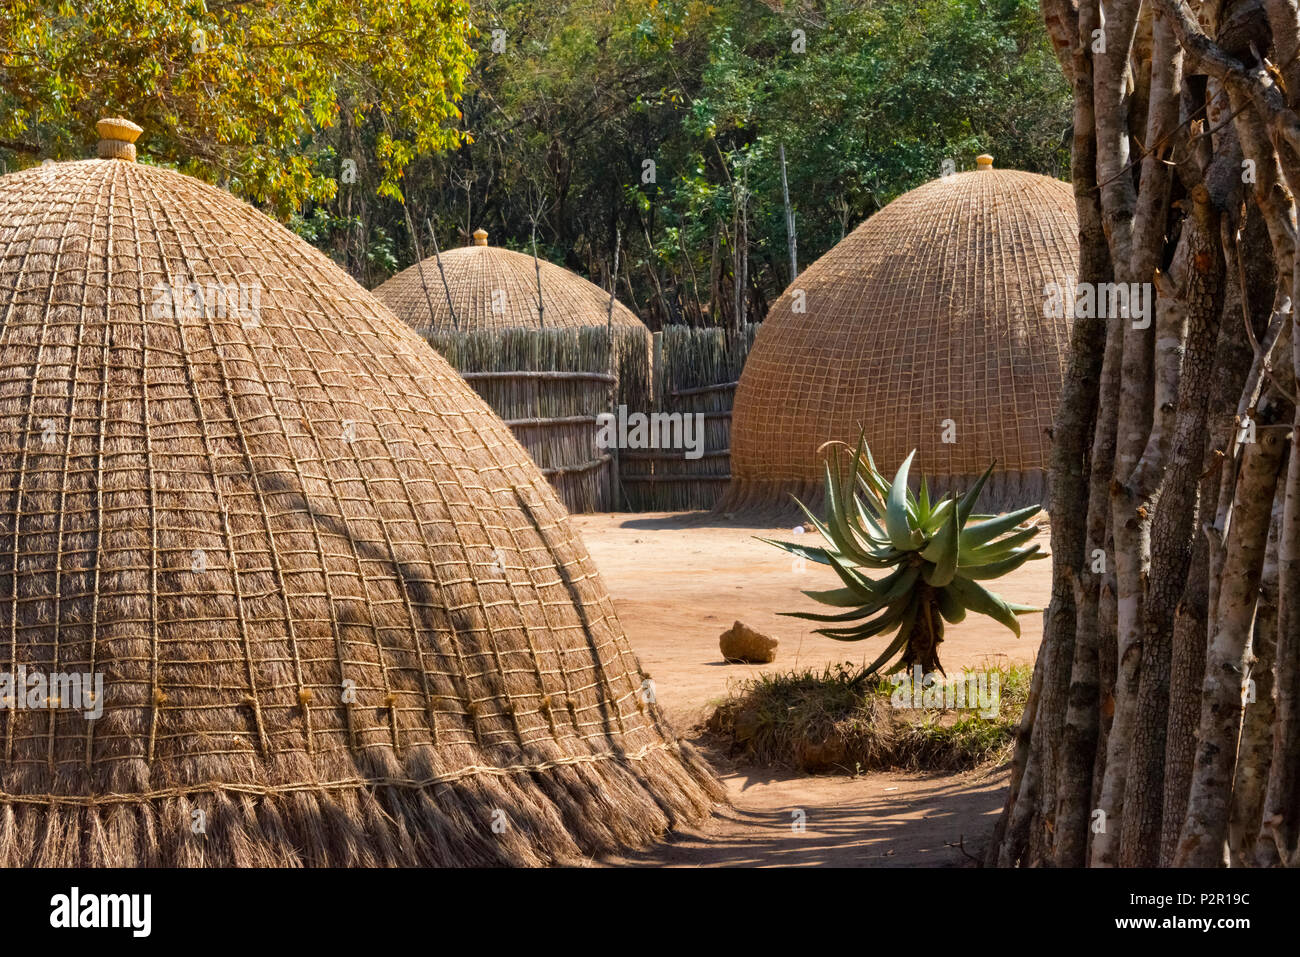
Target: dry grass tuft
{"x":828,"y":722}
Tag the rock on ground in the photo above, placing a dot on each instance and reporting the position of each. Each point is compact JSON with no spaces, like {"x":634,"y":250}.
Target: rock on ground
{"x":742,"y":643}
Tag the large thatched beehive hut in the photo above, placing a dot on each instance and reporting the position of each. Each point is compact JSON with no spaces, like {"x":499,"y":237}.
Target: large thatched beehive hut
{"x":545,"y":367}
{"x":340,"y":617}
{"x":927,"y":326}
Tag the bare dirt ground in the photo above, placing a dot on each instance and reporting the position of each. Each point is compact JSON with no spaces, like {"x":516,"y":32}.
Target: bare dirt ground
{"x":678,"y":582}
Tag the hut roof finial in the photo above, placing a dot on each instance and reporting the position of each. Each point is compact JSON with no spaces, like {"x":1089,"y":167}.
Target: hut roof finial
{"x":480,"y":237}
{"x":984,"y":161}
{"x":117,"y":138}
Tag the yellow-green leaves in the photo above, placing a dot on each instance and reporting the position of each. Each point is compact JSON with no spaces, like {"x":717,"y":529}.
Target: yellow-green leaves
{"x":242,"y":92}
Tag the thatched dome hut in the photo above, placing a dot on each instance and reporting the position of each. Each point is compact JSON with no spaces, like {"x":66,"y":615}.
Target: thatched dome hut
{"x":488,"y":287}
{"x":926,"y":325}
{"x":546,"y":371}
{"x":339,"y":617}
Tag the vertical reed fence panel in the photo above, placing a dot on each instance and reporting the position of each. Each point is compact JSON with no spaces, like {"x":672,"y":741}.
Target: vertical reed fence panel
{"x":549,"y":385}
{"x":696,"y":371}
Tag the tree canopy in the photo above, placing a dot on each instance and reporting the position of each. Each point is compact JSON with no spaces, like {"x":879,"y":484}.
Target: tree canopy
{"x":867,"y":101}
{"x":244,"y":92}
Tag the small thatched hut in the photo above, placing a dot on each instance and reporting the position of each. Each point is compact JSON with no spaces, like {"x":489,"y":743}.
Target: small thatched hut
{"x":927,"y":326}
{"x":545,"y":367}
{"x":339,"y":616}
{"x":489,"y":287}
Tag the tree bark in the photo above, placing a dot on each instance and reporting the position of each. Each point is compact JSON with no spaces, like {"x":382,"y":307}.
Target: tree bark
{"x":1256,"y":748}
{"x":1201,"y":843}
{"x":1136,"y":258}
{"x":1200,"y":300}
{"x":1136,"y":706}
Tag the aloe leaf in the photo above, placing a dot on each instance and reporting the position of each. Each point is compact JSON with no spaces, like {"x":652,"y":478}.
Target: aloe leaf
{"x":972,"y":495}
{"x":885,"y":621}
{"x":973,"y":536}
{"x":865,"y":611}
{"x":810,"y":552}
{"x":978,"y":599}
{"x":847,"y":597}
{"x":858,"y":556}
{"x":945,"y":555}
{"x":985,"y":571}
{"x":950,"y":607}
{"x":1002,"y":547}
{"x":887,"y":591}
{"x":944,"y":541}
{"x":901,"y":533}
{"x":870,"y":527}
{"x":837,"y":520}
{"x":938,"y":515}
{"x":883,"y":593}
{"x":873,"y":496}
{"x":895,"y":646}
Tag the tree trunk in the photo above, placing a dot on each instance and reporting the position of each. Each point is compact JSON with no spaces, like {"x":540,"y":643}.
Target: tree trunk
{"x":1160,"y":512}
{"x":1201,"y":843}
{"x":1256,"y":749}
{"x":1200,"y":301}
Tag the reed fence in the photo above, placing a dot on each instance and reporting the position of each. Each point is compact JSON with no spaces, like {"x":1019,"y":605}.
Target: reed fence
{"x":550,"y":385}
{"x":695,"y":372}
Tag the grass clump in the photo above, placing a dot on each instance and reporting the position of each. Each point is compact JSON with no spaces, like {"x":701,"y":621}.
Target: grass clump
{"x":835,"y":721}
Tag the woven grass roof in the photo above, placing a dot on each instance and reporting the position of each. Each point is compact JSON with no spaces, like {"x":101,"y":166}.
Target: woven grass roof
{"x":495,"y":288}
{"x":932,"y":310}
{"x":336,"y":607}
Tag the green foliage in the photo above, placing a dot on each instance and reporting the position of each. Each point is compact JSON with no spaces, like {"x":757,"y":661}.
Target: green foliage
{"x":241,"y":92}
{"x":936,"y":554}
{"x":883,"y":94}
{"x":584,"y":91}
{"x":544,"y":114}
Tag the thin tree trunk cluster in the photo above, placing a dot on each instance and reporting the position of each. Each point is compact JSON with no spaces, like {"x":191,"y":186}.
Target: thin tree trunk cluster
{"x":1163,"y":723}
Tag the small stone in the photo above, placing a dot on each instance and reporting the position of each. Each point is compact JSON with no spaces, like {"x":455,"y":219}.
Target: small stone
{"x":742,"y":643}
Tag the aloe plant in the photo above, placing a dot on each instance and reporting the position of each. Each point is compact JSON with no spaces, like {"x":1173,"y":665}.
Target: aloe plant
{"x":934,"y":555}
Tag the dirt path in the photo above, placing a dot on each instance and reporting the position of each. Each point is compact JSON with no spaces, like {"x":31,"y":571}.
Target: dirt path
{"x":882,"y":819}
{"x":677,"y":584}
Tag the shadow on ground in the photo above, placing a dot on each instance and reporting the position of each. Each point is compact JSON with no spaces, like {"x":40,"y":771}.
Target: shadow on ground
{"x":881,"y":819}
{"x":659,"y":522}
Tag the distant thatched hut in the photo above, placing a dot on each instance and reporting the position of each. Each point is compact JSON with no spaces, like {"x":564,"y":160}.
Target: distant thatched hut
{"x":544,"y":366}
{"x":927,"y":326}
{"x":340,"y":617}
{"x":489,"y":287}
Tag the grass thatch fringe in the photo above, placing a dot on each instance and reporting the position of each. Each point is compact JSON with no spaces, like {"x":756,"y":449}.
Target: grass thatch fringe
{"x":564,"y":814}
{"x":773,"y":501}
